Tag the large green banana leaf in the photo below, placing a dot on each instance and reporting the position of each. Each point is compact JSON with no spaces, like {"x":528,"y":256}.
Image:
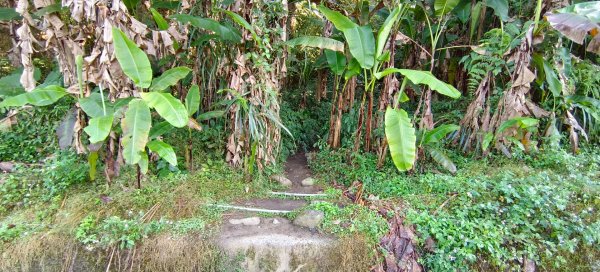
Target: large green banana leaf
{"x":159,"y":19}
{"x":443,"y":160}
{"x":169,"y":78}
{"x":500,"y":8}
{"x":38,"y":97}
{"x":192,"y":100}
{"x":99,"y":128}
{"x":225,"y":33}
{"x":362,"y":45}
{"x":133,"y":60}
{"x":423,"y":77}
{"x":163,"y":150}
{"x":384,"y":31}
{"x":336,"y":61}
{"x":437,"y":134}
{"x":317,"y":42}
{"x":93,"y":107}
{"x":442,"y":7}
{"x":340,"y":21}
{"x":243,"y":23}
{"x":136,"y":126}
{"x":168,"y":107}
{"x":401,"y":138}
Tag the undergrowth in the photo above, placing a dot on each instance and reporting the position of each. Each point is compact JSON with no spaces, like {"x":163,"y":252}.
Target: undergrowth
{"x":494,"y":212}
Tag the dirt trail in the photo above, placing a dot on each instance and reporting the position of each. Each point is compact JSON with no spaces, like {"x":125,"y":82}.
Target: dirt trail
{"x":275,"y":241}
{"x":296,"y":170}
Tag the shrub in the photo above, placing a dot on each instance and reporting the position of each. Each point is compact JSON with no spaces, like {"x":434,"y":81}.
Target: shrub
{"x":507,"y":218}
{"x":33,"y":137}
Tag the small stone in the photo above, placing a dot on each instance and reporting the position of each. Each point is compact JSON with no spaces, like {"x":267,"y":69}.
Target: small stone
{"x":275,"y":221}
{"x":308,"y":181}
{"x":282,"y":180}
{"x":250,"y":221}
{"x":310,"y":219}
{"x":337,"y":222}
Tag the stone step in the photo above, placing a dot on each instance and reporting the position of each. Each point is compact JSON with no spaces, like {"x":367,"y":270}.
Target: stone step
{"x":274,"y":244}
{"x":267,"y":205}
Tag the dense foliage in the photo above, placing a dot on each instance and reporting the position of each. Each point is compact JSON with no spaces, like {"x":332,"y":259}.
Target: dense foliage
{"x":474,"y":122}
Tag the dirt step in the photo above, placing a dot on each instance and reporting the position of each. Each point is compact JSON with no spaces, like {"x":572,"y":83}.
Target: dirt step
{"x":293,"y":194}
{"x":296,"y":170}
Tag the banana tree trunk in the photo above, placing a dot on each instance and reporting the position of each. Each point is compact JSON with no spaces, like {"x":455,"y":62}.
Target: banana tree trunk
{"x":369,"y":123}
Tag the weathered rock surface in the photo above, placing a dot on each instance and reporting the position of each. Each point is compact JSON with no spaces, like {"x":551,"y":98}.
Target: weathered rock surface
{"x":309,"y":219}
{"x":282,"y":180}
{"x":249,"y":221}
{"x":272,"y":246}
{"x":308,"y":181}
{"x":6,"y":167}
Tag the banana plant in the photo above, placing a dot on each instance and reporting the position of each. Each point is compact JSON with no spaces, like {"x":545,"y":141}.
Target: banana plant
{"x":428,"y":141}
{"x":399,"y":129}
{"x":368,"y":51}
{"x":133,"y":112}
{"x":522,"y":127}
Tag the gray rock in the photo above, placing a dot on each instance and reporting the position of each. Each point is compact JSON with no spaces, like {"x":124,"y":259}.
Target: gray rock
{"x":310,"y":219}
{"x":282,"y":180}
{"x":250,"y":221}
{"x":6,"y":167}
{"x":275,"y":222}
{"x":308,"y":181}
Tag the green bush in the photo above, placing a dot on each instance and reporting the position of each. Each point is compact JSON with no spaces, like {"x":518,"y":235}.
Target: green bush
{"x":115,"y":231}
{"x":34,"y":136}
{"x":507,"y":218}
{"x":29,"y":184}
{"x":352,"y":219}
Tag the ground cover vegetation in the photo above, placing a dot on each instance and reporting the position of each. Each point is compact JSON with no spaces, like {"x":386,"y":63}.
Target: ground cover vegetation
{"x":473,"y":126}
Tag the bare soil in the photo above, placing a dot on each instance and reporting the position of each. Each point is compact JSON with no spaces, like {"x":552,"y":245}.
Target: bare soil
{"x":296,"y":170}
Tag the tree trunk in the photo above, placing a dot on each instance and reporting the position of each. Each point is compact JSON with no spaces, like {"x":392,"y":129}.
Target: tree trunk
{"x":361,"y":113}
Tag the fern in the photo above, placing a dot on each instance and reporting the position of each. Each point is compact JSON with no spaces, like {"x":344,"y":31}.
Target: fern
{"x":488,"y":57}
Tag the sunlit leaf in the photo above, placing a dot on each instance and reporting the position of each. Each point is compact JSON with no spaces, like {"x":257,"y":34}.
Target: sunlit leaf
{"x":362,"y":45}
{"x":423,"y":77}
{"x":401,"y":138}
{"x":442,"y":7}
{"x":159,"y":19}
{"x":136,"y":127}
{"x":133,"y":60}
{"x":38,"y":97}
{"x":92,"y":105}
{"x":168,"y":107}
{"x":163,"y":150}
{"x":317,"y":42}
{"x":340,"y":21}
{"x":384,"y":31}
{"x":192,"y":100}
{"x":169,"y":78}
{"x":99,"y":128}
